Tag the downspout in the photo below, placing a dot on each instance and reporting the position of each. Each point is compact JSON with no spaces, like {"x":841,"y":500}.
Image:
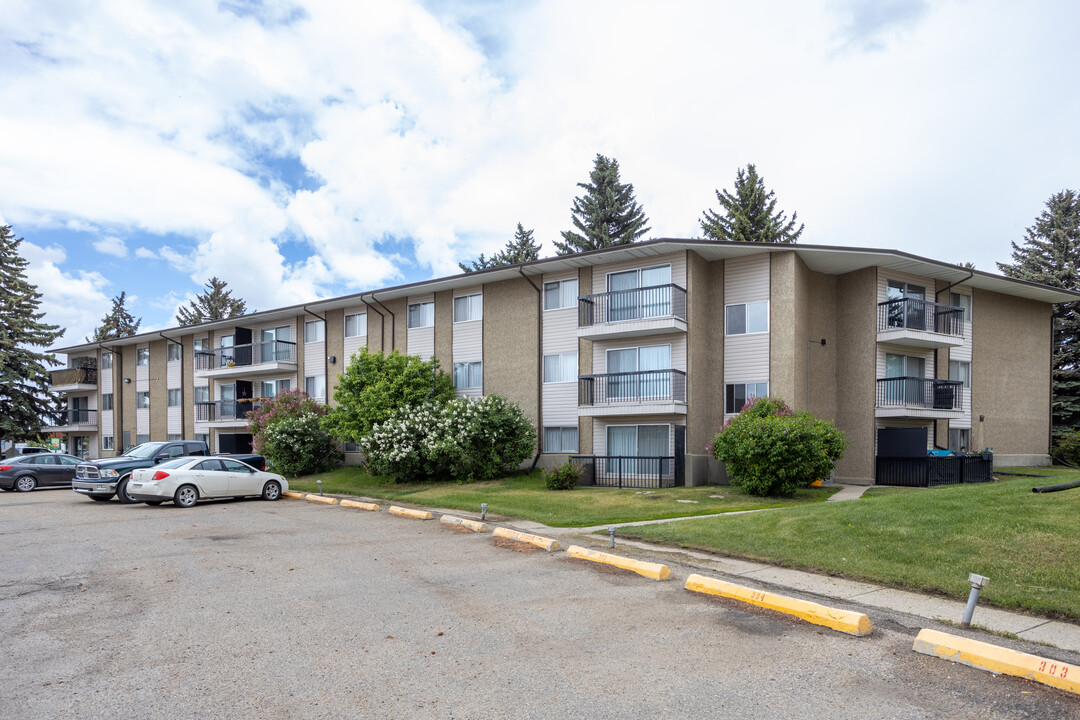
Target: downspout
{"x":382,"y":324}
{"x":937,"y":295}
{"x":539,"y":369}
{"x":393,"y":322}
{"x":182,"y":432}
{"x":325,"y":358}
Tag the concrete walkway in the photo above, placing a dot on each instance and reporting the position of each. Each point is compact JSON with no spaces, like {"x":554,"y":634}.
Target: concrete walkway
{"x":848,"y":492}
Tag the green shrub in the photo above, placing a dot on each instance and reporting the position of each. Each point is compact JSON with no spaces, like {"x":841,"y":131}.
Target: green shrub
{"x":563,"y":477}
{"x":299,"y":445}
{"x":461,"y":440}
{"x":287,"y":404}
{"x":1067,"y":447}
{"x":770,"y":450}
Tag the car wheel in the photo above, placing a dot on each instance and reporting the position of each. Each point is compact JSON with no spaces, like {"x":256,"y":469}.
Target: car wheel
{"x":271,"y":490}
{"x":185,"y":496}
{"x":26,"y":483}
{"x":122,"y":492}
{"x":153,"y":502}
{"x":100,"y":498}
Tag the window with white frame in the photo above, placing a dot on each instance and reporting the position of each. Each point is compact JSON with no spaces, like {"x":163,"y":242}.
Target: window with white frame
{"x":961,"y":300}
{"x":561,"y":368}
{"x":174,"y":397}
{"x":201,"y":393}
{"x":172,"y":352}
{"x":561,"y":294}
{"x":142,"y":356}
{"x":107,"y":442}
{"x":106,"y":361}
{"x":200,"y":344}
{"x":421,"y":315}
{"x":561,"y":439}
{"x":173,"y":437}
{"x":314,"y":331}
{"x":142,"y":438}
{"x":106,"y":401}
{"x":142,"y":399}
{"x":736,"y":394}
{"x":273,"y":388}
{"x":960,"y":439}
{"x":468,"y":307}
{"x":747,"y":318}
{"x":356,"y":325}
{"x":960,"y":370}
{"x":468,"y":375}
{"x":315,"y":386}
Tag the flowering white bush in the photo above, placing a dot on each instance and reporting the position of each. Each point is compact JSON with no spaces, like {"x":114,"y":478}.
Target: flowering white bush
{"x":297,"y":445}
{"x":464,"y":439}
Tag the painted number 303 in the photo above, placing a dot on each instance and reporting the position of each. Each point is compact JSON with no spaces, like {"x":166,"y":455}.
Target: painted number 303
{"x":1054,"y":669}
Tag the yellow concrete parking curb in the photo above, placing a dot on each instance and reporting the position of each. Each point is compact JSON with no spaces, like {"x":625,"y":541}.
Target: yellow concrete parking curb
{"x":293,"y":495}
{"x":462,"y":522}
{"x":845,"y":621}
{"x":546,"y":543}
{"x":359,"y":505}
{"x":996,"y":659}
{"x":322,"y":499}
{"x":656,"y":571}
{"x":410,"y":513}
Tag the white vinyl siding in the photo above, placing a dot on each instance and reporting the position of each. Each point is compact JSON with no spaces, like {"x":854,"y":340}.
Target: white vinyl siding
{"x":746,"y":279}
{"x":173,"y":413}
{"x":746,"y":356}
{"x":963,"y":354}
{"x":359,"y":326}
{"x":468,"y":346}
{"x":105,"y":383}
{"x":142,"y":385}
{"x":314,"y":364}
{"x":420,"y":339}
{"x":559,"y":336}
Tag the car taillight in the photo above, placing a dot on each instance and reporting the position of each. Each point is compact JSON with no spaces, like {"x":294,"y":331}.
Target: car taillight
{"x":5,"y":467}
{"x":159,"y":475}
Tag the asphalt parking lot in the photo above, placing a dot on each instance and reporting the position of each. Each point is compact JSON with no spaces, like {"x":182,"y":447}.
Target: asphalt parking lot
{"x":295,"y":610}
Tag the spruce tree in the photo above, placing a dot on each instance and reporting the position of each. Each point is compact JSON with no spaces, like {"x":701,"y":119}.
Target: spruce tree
{"x":749,"y":215}
{"x":117,"y":323}
{"x":522,"y":248}
{"x":24,"y":380}
{"x":1050,"y":254}
{"x":216,"y":303}
{"x":606,"y":215}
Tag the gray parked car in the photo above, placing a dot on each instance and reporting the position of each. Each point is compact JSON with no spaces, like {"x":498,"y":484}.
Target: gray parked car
{"x":28,"y":472}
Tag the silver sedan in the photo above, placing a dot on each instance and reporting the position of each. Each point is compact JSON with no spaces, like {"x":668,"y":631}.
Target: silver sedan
{"x":186,"y":480}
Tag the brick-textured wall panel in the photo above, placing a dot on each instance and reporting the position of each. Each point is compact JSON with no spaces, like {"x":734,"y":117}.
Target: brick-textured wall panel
{"x":444,"y":329}
{"x":856,"y":369}
{"x":705,"y":354}
{"x":335,"y":346}
{"x":510,"y":344}
{"x":158,"y":399}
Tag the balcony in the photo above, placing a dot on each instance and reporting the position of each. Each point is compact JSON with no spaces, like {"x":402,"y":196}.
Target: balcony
{"x":920,"y":323}
{"x":629,"y":471}
{"x":225,"y":413}
{"x":72,"y":421}
{"x":648,"y":392}
{"x":248,"y":360}
{"x":916,"y":397}
{"x":632,"y":313}
{"x":73,"y":380}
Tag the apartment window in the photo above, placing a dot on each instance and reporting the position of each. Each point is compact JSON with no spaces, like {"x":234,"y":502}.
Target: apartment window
{"x":174,"y":437}
{"x":201,"y":393}
{"x":142,"y":356}
{"x":314,"y":331}
{"x":315,"y":386}
{"x":561,"y":294}
{"x":421,"y":315}
{"x":356,"y":325}
{"x":142,"y":399}
{"x":468,"y":375}
{"x":960,"y":439}
{"x":172,"y":352}
{"x":560,"y":368}
{"x":173,"y":397}
{"x":961,"y":300}
{"x":272,"y":388}
{"x":107,"y":442}
{"x":638,"y":441}
{"x":736,"y":395}
{"x":140,"y":439}
{"x":468,"y":307}
{"x":200,"y":344}
{"x":106,"y":361}
{"x":351,"y":447}
{"x":106,"y":401}
{"x":747,"y":318}
{"x":960,"y":370}
{"x":561,"y":439}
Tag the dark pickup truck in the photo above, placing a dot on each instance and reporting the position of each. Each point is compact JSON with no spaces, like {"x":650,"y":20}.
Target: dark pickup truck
{"x":103,"y":478}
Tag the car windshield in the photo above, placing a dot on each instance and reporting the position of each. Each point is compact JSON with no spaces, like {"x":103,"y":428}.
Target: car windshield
{"x":146,"y":450}
{"x":176,"y":463}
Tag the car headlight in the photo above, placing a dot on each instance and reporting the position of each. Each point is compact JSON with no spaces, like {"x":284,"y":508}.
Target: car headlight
{"x":109,"y":473}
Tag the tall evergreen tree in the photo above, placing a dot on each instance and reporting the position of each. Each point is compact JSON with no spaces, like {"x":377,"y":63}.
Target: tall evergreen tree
{"x":523,"y":248}
{"x":1050,"y":254}
{"x":607,"y":214}
{"x":749,"y":215}
{"x":117,"y":323}
{"x":24,"y":381}
{"x":215,"y":303}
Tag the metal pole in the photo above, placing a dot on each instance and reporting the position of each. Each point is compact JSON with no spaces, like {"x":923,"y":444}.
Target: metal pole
{"x":977,"y":584}
{"x":611,"y":532}
{"x":483,"y":511}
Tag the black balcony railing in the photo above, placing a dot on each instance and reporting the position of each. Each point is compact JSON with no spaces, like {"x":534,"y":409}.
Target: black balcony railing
{"x":224,"y":410}
{"x":76,"y":416}
{"x":915,"y":314}
{"x":930,"y":471}
{"x":917,"y":392}
{"x":74,"y":376}
{"x":628,"y":472}
{"x":246,"y":355}
{"x":645,"y":303}
{"x":628,"y":387}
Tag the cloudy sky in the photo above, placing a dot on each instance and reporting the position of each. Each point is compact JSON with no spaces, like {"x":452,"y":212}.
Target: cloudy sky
{"x":310,"y":148}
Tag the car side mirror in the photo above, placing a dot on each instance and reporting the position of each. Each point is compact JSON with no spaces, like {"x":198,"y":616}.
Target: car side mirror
{"x":159,"y":458}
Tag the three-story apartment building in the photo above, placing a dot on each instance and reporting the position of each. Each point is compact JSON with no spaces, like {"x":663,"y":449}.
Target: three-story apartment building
{"x":634,"y":355}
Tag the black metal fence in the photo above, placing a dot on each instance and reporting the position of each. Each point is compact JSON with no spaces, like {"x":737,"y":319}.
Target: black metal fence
{"x":637,"y":304}
{"x":640,"y":386}
{"x":931,"y":471}
{"x":628,"y":472}
{"x":75,"y":416}
{"x":246,"y":354}
{"x":915,"y":314}
{"x":224,"y":410}
{"x":920,"y":393}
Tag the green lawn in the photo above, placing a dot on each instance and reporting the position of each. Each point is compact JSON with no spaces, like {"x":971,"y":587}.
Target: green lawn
{"x":524,"y":496}
{"x":1027,"y":544}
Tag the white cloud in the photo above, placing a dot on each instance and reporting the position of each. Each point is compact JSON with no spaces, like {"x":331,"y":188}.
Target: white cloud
{"x":74,"y":301}
{"x":145,"y":253}
{"x":111,"y":245}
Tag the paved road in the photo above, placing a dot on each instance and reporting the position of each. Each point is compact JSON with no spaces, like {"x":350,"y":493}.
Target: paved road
{"x":294,"y":610}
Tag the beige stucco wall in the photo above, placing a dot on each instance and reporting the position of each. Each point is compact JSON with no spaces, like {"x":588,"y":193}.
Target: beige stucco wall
{"x":819,"y":362}
{"x":396,"y":336}
{"x":187,"y":385}
{"x":444,"y":330}
{"x":783,"y":353}
{"x":704,"y":365}
{"x":335,"y":346}
{"x":511,"y":337}
{"x":1010,"y":358}
{"x":375,"y":324}
{"x":159,"y":410}
{"x":856,"y":368}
